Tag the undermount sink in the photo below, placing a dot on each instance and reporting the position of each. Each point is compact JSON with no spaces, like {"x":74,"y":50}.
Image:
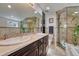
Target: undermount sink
{"x":18,"y":40}
{"x":13,"y":41}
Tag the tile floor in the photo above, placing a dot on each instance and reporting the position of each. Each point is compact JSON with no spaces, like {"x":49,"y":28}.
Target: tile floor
{"x":54,"y":51}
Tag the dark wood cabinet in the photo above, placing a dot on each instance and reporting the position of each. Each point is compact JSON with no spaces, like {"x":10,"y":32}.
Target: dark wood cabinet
{"x":33,"y":52}
{"x":37,"y":48}
{"x":40,"y":50}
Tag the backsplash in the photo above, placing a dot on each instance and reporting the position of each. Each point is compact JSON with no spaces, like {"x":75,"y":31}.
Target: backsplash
{"x":7,"y":32}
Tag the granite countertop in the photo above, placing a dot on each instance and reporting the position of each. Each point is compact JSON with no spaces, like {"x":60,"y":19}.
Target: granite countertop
{"x":6,"y":50}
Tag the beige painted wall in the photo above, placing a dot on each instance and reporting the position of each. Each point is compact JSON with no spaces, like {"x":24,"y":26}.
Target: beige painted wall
{"x":54,"y":24}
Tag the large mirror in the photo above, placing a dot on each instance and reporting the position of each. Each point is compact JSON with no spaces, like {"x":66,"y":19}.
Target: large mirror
{"x":18,"y":18}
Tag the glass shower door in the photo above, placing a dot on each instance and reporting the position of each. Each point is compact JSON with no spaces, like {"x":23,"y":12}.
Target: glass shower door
{"x":62,"y":29}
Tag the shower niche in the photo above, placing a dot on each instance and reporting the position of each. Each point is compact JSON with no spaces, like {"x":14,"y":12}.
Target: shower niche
{"x":68,"y":26}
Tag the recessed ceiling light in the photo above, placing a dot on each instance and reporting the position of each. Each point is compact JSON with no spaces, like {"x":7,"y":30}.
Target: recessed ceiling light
{"x":47,"y":8}
{"x":12,"y":16}
{"x":35,"y":12}
{"x":75,"y":12}
{"x":9,"y":6}
{"x":65,"y":26}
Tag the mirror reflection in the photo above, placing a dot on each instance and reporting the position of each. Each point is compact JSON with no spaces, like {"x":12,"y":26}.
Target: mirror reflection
{"x":18,"y":18}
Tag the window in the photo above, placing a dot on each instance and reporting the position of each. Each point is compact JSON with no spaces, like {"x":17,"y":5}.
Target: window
{"x":12,"y":23}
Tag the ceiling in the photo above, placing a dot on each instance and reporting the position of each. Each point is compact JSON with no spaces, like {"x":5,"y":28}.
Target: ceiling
{"x":18,"y":11}
{"x":55,"y":6}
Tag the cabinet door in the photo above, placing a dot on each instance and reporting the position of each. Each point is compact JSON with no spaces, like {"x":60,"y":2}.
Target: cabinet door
{"x":44,"y":51}
{"x":46,"y":41}
{"x":42,"y":46}
{"x":40,"y":42}
{"x":45,"y":45}
{"x":41,"y":50}
{"x":25,"y":50}
{"x":33,"y":52}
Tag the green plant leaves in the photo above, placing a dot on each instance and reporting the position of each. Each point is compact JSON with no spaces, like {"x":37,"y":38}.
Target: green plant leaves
{"x":76,"y":34}
{"x":22,"y":29}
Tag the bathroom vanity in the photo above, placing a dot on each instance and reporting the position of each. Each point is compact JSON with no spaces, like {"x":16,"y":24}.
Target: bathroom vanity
{"x":35,"y":46}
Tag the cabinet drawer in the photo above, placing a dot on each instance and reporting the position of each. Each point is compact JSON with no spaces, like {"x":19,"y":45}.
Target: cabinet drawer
{"x":23,"y":50}
{"x":33,"y":52}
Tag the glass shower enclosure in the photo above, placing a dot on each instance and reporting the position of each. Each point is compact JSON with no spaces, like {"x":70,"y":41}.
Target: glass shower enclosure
{"x":68,"y":26}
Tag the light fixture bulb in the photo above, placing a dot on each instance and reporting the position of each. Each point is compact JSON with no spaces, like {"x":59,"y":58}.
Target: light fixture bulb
{"x":75,"y":12}
{"x":12,"y":16}
{"x":35,"y":12}
{"x":65,"y":26}
{"x":47,"y":8}
{"x":9,"y":6}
